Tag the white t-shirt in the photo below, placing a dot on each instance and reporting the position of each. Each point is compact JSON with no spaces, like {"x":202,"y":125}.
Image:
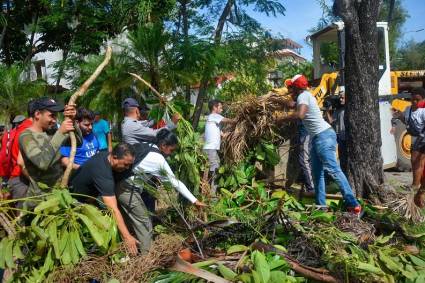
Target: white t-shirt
{"x":417,"y":117}
{"x":155,"y":164}
{"x":313,"y":120}
{"x":212,"y":131}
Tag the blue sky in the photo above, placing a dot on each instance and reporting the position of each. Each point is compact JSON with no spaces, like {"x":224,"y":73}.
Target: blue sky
{"x":301,"y":15}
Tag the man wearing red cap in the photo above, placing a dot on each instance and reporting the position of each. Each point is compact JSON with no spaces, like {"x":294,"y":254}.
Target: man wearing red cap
{"x":323,"y":144}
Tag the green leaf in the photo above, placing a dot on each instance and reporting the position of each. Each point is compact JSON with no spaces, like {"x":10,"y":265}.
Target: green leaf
{"x":277,"y":263}
{"x":417,"y":261}
{"x":43,"y":186}
{"x":277,"y":277}
{"x":412,"y":275}
{"x":3,"y":244}
{"x":9,"y":254}
{"x":226,"y":272}
{"x":94,"y":231}
{"x":261,"y":266}
{"x":17,"y":252}
{"x":79,"y":244}
{"x":66,"y":253}
{"x":53,"y":236}
{"x":322,"y":216}
{"x":245,"y":277}
{"x":279,"y":194}
{"x":420,"y":278}
{"x":384,"y":239}
{"x":256,"y":276}
{"x":202,"y":264}
{"x":389,"y":262}
{"x":369,"y":268}
{"x":226,"y":193}
{"x":280,"y":247}
{"x":236,"y":249}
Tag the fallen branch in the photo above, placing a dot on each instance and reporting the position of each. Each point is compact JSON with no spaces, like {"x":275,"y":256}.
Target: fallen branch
{"x":184,"y":266}
{"x":322,"y":275}
{"x":72,"y":101}
{"x":161,"y":98}
{"x":7,"y":226}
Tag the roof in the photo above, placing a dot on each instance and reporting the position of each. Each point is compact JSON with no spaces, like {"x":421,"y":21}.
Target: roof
{"x":218,"y":80}
{"x":290,"y":43}
{"x":331,"y":29}
{"x":287,"y":53}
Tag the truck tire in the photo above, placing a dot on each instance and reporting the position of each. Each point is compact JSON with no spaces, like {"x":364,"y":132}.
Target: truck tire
{"x":403,"y":142}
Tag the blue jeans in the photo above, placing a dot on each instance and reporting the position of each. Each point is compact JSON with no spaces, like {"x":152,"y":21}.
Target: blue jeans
{"x":323,"y":157}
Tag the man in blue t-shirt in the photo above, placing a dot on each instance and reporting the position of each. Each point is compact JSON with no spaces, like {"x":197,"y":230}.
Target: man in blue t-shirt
{"x":90,"y":145}
{"x":102,"y":132}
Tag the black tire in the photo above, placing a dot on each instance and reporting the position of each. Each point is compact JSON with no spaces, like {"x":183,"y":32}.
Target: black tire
{"x":403,"y":158}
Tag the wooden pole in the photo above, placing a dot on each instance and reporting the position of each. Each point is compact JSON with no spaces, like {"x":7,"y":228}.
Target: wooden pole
{"x":72,"y":101}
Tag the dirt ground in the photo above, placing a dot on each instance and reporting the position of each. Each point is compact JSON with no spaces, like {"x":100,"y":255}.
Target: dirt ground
{"x":398,"y":178}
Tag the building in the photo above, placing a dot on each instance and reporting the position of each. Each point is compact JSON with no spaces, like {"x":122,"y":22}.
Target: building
{"x":286,"y":51}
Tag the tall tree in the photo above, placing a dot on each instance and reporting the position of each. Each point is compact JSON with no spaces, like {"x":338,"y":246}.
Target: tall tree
{"x":364,"y":162}
{"x":411,"y":56}
{"x":15,"y":92}
{"x":396,"y":15}
{"x":232,"y":11}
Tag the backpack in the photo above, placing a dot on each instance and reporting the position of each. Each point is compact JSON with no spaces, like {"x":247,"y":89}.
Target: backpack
{"x":6,"y":153}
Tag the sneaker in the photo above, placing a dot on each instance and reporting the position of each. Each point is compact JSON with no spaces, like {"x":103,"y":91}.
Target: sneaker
{"x":357,"y":210}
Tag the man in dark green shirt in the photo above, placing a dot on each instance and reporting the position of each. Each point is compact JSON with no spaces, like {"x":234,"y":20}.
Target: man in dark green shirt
{"x":40,"y":152}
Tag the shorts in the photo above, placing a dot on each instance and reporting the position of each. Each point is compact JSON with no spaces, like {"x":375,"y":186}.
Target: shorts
{"x":213,"y":158}
{"x":19,"y":188}
{"x":418,"y":144}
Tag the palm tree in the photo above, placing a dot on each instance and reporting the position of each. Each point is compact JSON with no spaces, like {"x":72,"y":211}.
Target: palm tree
{"x":15,"y":91}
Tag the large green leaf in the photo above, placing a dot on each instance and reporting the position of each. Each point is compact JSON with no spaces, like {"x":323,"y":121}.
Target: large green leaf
{"x":261,"y":266}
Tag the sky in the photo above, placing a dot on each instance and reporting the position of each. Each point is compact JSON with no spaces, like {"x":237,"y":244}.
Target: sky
{"x":302,"y":15}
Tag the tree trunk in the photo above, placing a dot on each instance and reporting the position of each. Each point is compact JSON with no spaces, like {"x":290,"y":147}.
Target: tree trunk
{"x":364,"y":160}
{"x":205,"y":78}
{"x":61,"y":68}
{"x":5,"y":43}
{"x":185,"y":19}
{"x":3,"y":33}
{"x":31,"y":52}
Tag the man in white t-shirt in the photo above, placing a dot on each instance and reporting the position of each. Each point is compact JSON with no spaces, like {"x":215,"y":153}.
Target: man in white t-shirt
{"x":323,"y":145}
{"x":213,"y":137}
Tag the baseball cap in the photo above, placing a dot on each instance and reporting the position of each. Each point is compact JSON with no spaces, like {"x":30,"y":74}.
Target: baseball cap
{"x":18,"y":119}
{"x":130,"y":102}
{"x":299,"y":81}
{"x":46,"y":103}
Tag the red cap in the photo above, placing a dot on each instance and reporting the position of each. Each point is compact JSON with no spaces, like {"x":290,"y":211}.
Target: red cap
{"x":288,"y":82}
{"x":299,"y":81}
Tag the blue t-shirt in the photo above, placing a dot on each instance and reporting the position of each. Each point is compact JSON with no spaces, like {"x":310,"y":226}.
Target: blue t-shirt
{"x":84,"y":152}
{"x":101,"y":129}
